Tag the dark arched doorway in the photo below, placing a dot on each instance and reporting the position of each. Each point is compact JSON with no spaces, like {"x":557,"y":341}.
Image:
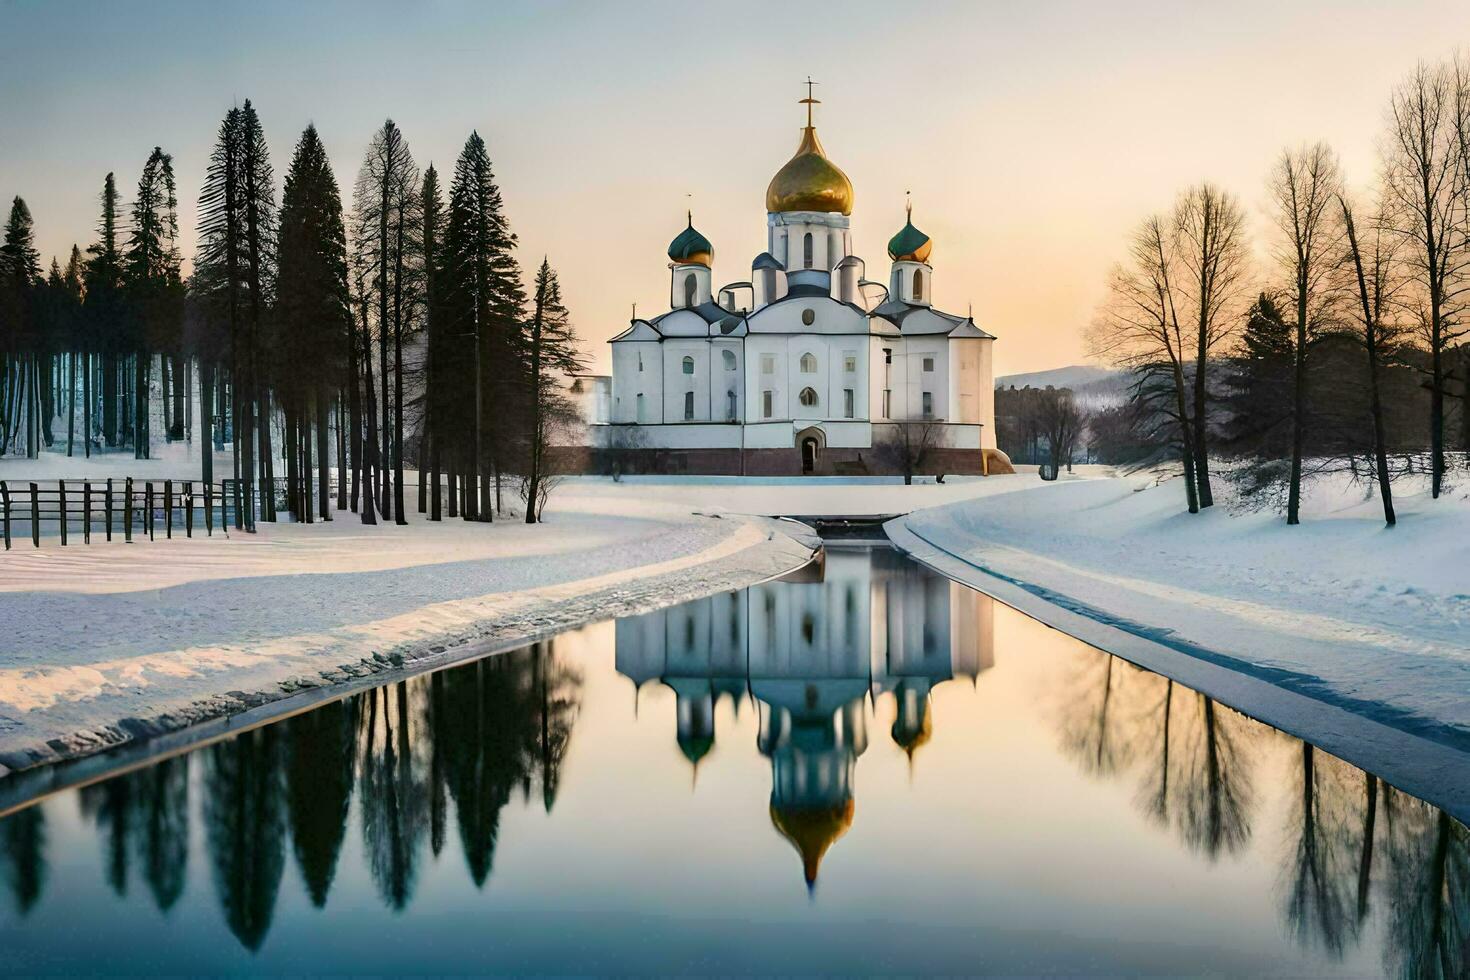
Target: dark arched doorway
{"x":809,"y":447}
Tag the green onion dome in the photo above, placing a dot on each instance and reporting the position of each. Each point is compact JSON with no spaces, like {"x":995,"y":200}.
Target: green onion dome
{"x":910,"y":245}
{"x":689,"y":247}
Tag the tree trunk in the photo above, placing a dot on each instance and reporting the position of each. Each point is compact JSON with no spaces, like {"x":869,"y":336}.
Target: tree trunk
{"x":1186,"y":447}
{"x":323,"y":471}
{"x":71,"y":402}
{"x":1298,"y":408}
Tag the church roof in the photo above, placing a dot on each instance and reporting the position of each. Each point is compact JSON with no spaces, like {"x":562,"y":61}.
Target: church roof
{"x":914,"y":319}
{"x":691,"y":248}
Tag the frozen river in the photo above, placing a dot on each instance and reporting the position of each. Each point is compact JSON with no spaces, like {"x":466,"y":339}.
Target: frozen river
{"x":867,"y":769}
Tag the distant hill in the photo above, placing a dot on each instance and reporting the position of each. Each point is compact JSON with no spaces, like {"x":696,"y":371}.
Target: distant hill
{"x":1093,"y":385}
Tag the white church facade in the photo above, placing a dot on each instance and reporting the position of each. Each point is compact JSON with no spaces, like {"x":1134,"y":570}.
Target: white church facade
{"x":807,"y":366}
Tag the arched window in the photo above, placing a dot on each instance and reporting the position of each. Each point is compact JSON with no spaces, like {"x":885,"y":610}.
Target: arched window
{"x":688,"y":405}
{"x":691,"y":289}
{"x":808,"y":397}
{"x":918,"y":285}
{"x":730,"y":405}
{"x":808,"y":363}
{"x":688,"y":365}
{"x":806,"y":251}
{"x":729,"y":358}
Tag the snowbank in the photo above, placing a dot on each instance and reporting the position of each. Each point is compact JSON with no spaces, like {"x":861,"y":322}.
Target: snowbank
{"x":107,"y":642}
{"x":1339,"y":609}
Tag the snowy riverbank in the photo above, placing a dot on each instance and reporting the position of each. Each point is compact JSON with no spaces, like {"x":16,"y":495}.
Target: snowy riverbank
{"x":1341,"y":610}
{"x":108,"y":642}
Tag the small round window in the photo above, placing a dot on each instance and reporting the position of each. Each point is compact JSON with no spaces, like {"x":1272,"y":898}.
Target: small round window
{"x":808,"y":317}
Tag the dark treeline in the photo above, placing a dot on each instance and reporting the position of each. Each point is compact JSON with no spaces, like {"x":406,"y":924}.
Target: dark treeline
{"x":1347,"y":352}
{"x":310,"y":339}
{"x":476,"y":739}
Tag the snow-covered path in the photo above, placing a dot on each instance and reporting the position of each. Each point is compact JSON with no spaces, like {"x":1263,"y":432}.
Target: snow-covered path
{"x":1339,"y":609}
{"x":108,"y":642}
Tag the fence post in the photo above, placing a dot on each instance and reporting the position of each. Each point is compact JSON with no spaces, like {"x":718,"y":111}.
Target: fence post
{"x":208,"y":502}
{"x":5,"y":502}
{"x":107,"y":505}
{"x":168,"y":509}
{"x":35,"y":515}
{"x":128,"y":511}
{"x":148,"y":508}
{"x":61,"y":505}
{"x":86,"y":512}
{"x":188,"y":508}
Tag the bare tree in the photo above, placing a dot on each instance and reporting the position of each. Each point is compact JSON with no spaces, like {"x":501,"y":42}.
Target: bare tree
{"x":1304,"y":186}
{"x":1061,"y":421}
{"x":1138,"y":329}
{"x":908,"y":447}
{"x":1371,"y":261}
{"x":1426,"y":172}
{"x":1212,"y":251}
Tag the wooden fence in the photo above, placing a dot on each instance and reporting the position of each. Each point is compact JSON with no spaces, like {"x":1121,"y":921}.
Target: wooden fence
{"x":75,"y":510}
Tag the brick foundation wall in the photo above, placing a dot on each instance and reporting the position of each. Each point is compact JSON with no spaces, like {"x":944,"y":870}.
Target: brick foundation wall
{"x":758,"y":462}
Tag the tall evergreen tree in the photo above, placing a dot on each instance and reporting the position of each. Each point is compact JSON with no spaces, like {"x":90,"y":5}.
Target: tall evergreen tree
{"x":483,"y":302}
{"x":153,"y":283}
{"x":430,"y":457}
{"x":233,"y":282}
{"x":20,"y":277}
{"x":388,"y":223}
{"x":103,"y":315}
{"x":313,"y":314}
{"x":554,"y":355}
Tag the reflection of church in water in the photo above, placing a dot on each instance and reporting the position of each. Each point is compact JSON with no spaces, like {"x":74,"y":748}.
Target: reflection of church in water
{"x":811,"y":653}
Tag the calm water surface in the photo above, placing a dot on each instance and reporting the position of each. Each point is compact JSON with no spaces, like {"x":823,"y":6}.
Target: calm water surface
{"x":880,"y":771}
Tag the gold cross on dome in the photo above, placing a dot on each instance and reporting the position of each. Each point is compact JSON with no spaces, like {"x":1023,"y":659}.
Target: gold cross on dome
{"x":809,"y":101}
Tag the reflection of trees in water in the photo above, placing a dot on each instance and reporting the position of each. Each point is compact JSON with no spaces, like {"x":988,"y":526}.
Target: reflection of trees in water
{"x":23,"y":856}
{"x":504,"y":725}
{"x":1212,"y":787}
{"x":1345,"y":828}
{"x":1427,"y":890}
{"x":319,"y":778}
{"x":1329,"y":845}
{"x":144,"y":816}
{"x":395,"y":801}
{"x":1193,"y":753}
{"x":1091,"y":724}
{"x":244,"y":818}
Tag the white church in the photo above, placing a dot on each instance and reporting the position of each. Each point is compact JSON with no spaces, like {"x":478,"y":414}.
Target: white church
{"x":806,"y":366}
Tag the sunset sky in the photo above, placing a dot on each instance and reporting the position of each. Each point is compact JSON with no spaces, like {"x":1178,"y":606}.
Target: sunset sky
{"x":1031,"y":136}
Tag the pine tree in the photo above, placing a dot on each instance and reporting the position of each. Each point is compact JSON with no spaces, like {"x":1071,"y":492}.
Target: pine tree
{"x":103,"y":314}
{"x":218,"y":291}
{"x":20,"y":277}
{"x":429,"y":452}
{"x":388,"y":222}
{"x":313,"y":313}
{"x":153,"y":283}
{"x":483,"y":302}
{"x":553,"y":349}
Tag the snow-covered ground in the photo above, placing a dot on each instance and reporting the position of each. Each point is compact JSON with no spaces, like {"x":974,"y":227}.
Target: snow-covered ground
{"x":1340,"y":609}
{"x":805,"y":496}
{"x":109,"y":641}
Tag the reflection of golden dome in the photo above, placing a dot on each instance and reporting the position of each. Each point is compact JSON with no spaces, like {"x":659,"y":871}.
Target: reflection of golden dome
{"x":811,"y":830}
{"x":809,"y":181}
{"x":911,"y":739}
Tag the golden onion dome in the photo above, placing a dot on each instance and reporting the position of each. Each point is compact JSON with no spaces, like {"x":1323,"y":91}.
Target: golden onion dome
{"x":809,"y":181}
{"x":811,"y":830}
